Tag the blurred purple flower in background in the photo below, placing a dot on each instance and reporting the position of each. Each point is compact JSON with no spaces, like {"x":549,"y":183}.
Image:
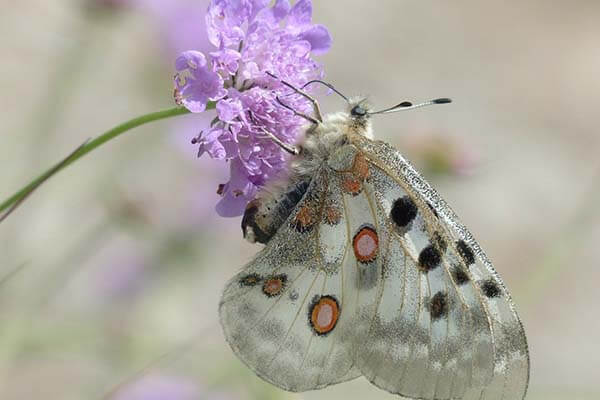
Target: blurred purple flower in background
{"x":158,"y":387}
{"x":180,"y":22}
{"x":165,"y":387}
{"x":250,"y":39}
{"x":119,"y":269}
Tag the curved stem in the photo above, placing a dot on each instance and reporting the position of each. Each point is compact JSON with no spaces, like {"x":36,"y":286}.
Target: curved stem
{"x":16,"y":199}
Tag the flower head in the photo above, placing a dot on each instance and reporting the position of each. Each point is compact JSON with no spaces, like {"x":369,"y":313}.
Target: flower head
{"x":251,"y":39}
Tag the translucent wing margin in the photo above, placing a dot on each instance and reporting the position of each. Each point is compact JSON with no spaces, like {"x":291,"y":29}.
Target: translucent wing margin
{"x":444,"y":325}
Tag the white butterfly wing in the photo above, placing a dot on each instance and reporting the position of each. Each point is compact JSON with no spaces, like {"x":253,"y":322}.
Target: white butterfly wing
{"x":290,"y":314}
{"x":444,"y":325}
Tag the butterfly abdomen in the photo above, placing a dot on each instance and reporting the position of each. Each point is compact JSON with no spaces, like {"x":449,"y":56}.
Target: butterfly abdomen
{"x":264,"y":215}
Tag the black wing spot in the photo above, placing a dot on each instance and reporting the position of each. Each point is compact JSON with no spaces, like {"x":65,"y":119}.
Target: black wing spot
{"x":490,"y":288}
{"x":438,"y":305}
{"x":429,"y":258}
{"x":433,"y":210}
{"x":403,"y":211}
{"x":465,"y":252}
{"x":439,"y":241}
{"x":460,"y":275}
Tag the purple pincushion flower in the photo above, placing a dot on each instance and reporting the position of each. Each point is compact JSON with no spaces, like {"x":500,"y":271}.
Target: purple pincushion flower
{"x":251,"y":39}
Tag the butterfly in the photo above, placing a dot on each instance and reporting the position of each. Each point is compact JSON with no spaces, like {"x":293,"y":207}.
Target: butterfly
{"x":366,"y":271}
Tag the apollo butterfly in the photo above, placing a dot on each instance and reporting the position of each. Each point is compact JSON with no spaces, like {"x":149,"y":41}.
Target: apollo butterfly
{"x":367,"y":272}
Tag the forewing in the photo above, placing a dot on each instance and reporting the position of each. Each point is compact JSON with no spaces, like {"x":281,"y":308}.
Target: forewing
{"x":444,"y":326}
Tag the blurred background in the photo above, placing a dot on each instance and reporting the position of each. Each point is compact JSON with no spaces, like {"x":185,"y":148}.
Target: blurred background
{"x":110,"y":274}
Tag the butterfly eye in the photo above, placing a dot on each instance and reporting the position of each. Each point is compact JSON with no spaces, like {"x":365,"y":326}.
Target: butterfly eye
{"x":358,"y":111}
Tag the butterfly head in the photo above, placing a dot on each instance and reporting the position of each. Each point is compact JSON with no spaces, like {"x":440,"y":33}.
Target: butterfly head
{"x":359,"y":109}
{"x":359,"y":116}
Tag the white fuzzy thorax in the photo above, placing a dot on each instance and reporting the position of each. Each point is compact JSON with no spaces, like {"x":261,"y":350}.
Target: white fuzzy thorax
{"x":316,"y":145}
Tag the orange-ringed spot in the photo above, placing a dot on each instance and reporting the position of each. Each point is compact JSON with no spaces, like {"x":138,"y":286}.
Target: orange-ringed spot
{"x":250,"y":280}
{"x":352,"y":185}
{"x":304,"y":219}
{"x":332,"y":215}
{"x":323,"y":314}
{"x":274,"y":285}
{"x":365,"y":244}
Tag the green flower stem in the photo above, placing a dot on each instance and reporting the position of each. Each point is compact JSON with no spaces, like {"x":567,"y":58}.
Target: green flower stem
{"x":14,"y":200}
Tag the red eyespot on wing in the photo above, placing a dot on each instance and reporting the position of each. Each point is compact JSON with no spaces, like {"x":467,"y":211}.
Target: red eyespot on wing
{"x":324,"y":314}
{"x":332,"y":215}
{"x":365,"y":244}
{"x":304,"y":220}
{"x":351,"y":184}
{"x":274,"y":285}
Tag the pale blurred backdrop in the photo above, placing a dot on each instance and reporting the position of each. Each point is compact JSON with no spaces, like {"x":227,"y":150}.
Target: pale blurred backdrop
{"x":110,"y":274}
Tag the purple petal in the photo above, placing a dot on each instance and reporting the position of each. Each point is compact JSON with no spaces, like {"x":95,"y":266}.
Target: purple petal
{"x":300,"y":14}
{"x":258,"y":6}
{"x":224,"y":20}
{"x":301,"y":48}
{"x":231,"y":148}
{"x":196,"y":83}
{"x":195,"y":104}
{"x":251,"y":71}
{"x":230,"y":206}
{"x":228,"y":109}
{"x":226,"y":60}
{"x":239,"y":177}
{"x":211,"y":135}
{"x":215,"y":150}
{"x":319,"y":38}
{"x":237,"y":192}
{"x":190,"y":59}
{"x":281,"y":9}
{"x":275,"y":14}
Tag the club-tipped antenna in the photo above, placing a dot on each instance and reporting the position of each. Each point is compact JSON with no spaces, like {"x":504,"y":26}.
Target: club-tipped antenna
{"x":329,"y":85}
{"x":407,"y":105}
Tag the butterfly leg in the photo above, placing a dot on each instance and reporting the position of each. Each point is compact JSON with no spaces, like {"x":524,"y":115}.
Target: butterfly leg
{"x":315,"y":103}
{"x":290,"y":149}
{"x":299,"y":114}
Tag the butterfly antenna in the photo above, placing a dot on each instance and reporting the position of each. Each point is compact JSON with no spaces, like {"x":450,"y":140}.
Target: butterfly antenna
{"x":407,"y":105}
{"x":329,"y":85}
